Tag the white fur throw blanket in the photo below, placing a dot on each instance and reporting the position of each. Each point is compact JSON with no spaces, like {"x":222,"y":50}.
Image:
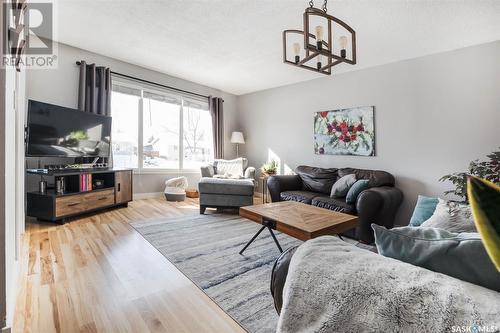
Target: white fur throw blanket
{"x":229,"y":168}
{"x":333,"y":286}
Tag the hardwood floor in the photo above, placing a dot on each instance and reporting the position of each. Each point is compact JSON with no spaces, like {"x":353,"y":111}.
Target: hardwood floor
{"x":97,"y":274}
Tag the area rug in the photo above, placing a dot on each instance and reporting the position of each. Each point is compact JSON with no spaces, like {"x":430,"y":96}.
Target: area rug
{"x":205,"y":248}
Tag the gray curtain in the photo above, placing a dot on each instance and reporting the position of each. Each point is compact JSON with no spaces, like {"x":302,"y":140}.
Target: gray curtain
{"x":94,"y":90}
{"x":216,"y":111}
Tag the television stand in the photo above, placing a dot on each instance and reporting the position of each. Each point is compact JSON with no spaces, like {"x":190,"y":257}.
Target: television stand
{"x":114,"y":189}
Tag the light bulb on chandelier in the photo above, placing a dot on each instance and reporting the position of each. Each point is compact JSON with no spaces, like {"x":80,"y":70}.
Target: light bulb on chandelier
{"x":318,"y":64}
{"x":343,"y":45}
{"x":296,"y":50}
{"x":319,"y":37}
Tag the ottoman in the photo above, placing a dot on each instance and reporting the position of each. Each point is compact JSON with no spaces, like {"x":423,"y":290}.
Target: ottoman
{"x":225,"y":193}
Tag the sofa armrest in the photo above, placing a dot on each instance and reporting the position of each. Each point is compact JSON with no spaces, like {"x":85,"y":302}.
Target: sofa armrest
{"x":376,"y":205}
{"x":250,"y":173}
{"x":278,"y":276}
{"x":278,"y":184}
{"x":207,"y":171}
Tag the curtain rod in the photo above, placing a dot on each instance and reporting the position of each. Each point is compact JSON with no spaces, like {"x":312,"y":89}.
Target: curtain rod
{"x":153,"y":83}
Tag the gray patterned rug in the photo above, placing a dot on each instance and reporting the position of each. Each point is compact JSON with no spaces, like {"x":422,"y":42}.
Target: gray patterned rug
{"x":205,"y":248}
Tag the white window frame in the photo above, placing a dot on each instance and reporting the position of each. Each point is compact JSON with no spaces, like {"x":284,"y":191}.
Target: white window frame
{"x":142,"y":87}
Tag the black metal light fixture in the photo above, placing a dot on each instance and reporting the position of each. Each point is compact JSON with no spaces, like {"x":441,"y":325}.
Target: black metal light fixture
{"x":316,"y":47}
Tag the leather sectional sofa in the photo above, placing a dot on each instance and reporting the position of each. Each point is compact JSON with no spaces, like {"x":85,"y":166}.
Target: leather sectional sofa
{"x":311,"y":185}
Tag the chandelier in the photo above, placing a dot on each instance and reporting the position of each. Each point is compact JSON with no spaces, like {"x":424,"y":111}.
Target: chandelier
{"x":320,"y":51}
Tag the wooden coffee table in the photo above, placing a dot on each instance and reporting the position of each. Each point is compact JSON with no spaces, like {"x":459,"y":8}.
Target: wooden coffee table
{"x":298,"y":220}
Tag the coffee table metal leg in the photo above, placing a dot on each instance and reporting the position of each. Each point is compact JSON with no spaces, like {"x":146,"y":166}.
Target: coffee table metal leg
{"x":275,"y":239}
{"x":253,"y":238}
{"x":269,"y":225}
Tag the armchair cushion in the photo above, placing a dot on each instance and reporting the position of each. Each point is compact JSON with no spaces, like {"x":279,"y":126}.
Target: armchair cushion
{"x":229,"y":169}
{"x":233,"y":168}
{"x":207,"y":170}
{"x":226,"y":186}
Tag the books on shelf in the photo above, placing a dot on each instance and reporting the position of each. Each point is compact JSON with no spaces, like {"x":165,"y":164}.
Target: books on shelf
{"x":85,"y":182}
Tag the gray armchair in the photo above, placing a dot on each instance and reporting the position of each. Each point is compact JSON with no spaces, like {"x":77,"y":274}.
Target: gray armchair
{"x":226,"y":193}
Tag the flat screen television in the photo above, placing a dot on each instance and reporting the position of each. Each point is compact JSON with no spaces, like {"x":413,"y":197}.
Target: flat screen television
{"x":57,"y":131}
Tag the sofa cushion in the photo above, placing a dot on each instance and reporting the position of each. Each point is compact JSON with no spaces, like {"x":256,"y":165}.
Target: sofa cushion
{"x":336,"y":204}
{"x":226,"y":186}
{"x":424,"y":209}
{"x":342,"y":186}
{"x":300,"y":196}
{"x":451,"y":216}
{"x":376,"y":177}
{"x":461,"y":255}
{"x":317,"y":179}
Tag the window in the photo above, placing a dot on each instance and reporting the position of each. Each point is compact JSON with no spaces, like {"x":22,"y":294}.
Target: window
{"x":161,"y":129}
{"x":156,"y":129}
{"x":124,"y":130}
{"x":197,"y":134}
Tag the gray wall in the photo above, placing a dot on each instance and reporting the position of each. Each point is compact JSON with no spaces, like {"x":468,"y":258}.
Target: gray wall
{"x":60,"y":87}
{"x":432,"y":116}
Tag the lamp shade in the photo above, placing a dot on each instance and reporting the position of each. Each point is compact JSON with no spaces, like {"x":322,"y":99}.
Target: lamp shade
{"x":237,"y":137}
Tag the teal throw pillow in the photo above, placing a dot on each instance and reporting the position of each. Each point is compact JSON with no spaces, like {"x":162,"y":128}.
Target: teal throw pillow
{"x":424,"y":209}
{"x":356,"y":189}
{"x":460,"y":255}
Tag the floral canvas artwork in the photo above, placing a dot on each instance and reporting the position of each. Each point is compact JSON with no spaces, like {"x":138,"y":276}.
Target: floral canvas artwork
{"x":345,"y":132}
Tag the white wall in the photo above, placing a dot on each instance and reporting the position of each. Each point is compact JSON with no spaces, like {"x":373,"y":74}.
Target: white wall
{"x":432,"y":116}
{"x":14,"y":181}
{"x":60,"y":87}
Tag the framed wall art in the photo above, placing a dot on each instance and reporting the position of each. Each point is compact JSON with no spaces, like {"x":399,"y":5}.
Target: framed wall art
{"x":345,"y":132}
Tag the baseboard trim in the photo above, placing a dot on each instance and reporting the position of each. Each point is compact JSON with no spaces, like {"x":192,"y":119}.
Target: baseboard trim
{"x":139,"y":196}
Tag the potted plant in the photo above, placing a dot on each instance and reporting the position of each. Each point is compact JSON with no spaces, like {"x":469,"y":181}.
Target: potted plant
{"x":269,"y":169}
{"x":489,"y":170}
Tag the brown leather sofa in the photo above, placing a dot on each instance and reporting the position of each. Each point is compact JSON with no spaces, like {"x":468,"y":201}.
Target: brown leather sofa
{"x":311,"y":185}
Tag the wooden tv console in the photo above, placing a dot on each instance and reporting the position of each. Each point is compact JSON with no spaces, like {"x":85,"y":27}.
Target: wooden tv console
{"x":116,"y":190}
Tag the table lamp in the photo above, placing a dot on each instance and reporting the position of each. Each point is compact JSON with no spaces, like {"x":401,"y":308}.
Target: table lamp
{"x":237,"y":137}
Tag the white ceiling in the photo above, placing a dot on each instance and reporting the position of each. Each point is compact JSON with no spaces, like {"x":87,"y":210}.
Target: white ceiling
{"x":235,"y":45}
